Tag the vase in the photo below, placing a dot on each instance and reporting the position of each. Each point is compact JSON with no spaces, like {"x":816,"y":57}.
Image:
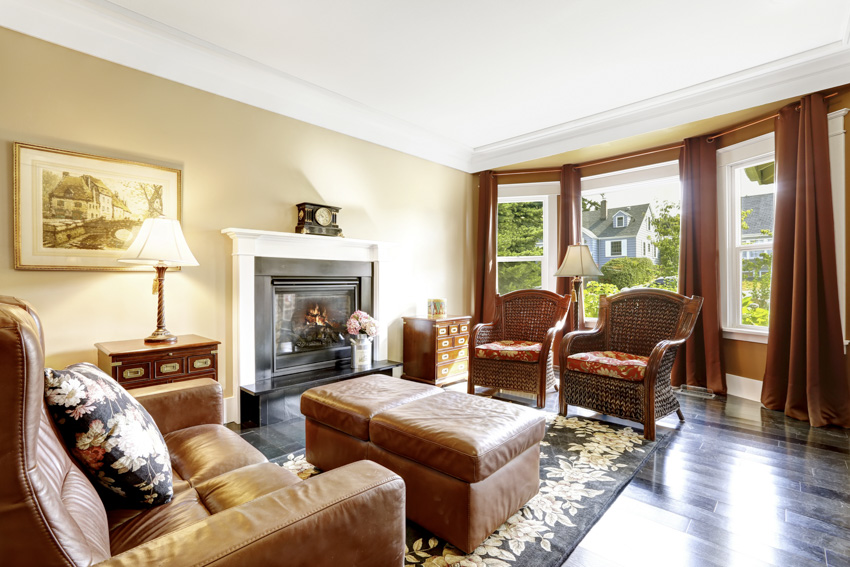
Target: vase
{"x":361,"y":351}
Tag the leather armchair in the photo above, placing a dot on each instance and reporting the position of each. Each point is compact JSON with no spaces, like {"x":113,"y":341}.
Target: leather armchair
{"x":230,"y":505}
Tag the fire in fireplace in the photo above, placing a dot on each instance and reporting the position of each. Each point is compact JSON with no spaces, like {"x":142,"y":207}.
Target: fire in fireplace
{"x":301,"y":312}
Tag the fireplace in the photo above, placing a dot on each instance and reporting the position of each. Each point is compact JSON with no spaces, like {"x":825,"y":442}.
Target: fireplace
{"x":301,"y":310}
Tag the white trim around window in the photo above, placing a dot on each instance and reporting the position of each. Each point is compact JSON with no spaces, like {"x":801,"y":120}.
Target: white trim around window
{"x":755,"y":150}
{"x":624,"y":250}
{"x":547,"y":193}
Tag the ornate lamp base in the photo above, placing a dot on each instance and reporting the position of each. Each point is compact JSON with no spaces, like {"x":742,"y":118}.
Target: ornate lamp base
{"x":161,"y":336}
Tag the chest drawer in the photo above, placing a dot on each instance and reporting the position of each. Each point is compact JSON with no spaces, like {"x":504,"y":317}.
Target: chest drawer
{"x":132,"y":372}
{"x":169,"y":367}
{"x":444,"y":342}
{"x":453,"y":354}
{"x":460,"y":340}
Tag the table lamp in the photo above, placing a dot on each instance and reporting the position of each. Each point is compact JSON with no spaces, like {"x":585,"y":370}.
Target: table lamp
{"x":578,"y":262}
{"x":160,"y":243}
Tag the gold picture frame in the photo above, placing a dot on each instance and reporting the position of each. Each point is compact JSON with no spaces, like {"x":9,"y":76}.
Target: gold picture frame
{"x":76,"y":211}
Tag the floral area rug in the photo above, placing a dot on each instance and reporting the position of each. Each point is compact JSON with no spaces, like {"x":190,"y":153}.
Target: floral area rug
{"x":584,"y":464}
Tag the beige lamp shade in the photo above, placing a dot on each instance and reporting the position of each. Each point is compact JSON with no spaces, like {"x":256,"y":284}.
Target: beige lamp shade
{"x":160,"y":242}
{"x":578,"y":262}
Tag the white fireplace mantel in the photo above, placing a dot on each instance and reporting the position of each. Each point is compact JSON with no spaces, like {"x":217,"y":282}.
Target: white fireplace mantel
{"x":249,"y":244}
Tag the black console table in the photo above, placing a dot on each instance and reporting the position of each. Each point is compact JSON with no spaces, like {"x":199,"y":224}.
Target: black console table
{"x":279,"y":399}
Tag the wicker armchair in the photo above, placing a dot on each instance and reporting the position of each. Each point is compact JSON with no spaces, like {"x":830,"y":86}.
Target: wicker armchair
{"x":515,"y":351}
{"x":643,"y":328}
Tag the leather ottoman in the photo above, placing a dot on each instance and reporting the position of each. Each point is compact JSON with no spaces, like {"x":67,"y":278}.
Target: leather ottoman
{"x":468,"y":463}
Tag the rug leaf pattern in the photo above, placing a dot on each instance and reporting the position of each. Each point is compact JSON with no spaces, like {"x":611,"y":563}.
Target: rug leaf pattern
{"x":584,"y":464}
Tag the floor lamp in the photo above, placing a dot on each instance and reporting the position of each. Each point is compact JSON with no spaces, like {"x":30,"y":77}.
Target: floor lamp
{"x":578,"y":262}
{"x":160,"y":243}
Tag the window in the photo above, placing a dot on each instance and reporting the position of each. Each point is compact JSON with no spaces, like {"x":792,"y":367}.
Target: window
{"x":641,"y":207}
{"x":746,"y":204}
{"x":526,"y":233}
{"x":748,"y":216}
{"x":614,"y":248}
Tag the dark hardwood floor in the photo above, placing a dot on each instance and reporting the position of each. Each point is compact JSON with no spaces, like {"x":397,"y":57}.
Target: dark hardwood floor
{"x":734,"y":485}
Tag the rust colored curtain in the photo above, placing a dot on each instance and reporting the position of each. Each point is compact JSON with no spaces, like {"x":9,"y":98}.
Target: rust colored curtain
{"x":805,"y":374}
{"x":699,"y":362}
{"x":485,"y":254}
{"x":569,"y":231}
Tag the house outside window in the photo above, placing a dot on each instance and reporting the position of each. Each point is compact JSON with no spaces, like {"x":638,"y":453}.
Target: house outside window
{"x":625,"y":214}
{"x":526,"y":234}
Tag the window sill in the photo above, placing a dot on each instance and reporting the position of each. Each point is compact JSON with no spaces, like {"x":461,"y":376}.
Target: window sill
{"x":748,"y":335}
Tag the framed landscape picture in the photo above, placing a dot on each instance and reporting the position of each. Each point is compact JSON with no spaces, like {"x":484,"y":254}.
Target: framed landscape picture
{"x":76,"y":211}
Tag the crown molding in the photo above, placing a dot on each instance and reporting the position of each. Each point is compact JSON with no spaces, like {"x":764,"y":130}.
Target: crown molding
{"x":107,"y":31}
{"x":797,"y":75}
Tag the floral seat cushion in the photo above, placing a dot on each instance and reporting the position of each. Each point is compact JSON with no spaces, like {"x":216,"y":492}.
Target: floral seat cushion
{"x":609,"y":363}
{"x":517,"y":351}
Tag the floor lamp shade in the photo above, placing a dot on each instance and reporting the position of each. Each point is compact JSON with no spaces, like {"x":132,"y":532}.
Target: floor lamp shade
{"x":578,"y":261}
{"x":160,"y":243}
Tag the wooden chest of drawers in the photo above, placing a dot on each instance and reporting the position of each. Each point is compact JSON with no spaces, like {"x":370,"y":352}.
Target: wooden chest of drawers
{"x":436,"y":350}
{"x":135,"y":364}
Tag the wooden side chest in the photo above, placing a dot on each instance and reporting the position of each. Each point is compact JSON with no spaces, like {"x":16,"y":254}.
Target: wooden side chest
{"x":135,"y":364}
{"x":436,"y":350}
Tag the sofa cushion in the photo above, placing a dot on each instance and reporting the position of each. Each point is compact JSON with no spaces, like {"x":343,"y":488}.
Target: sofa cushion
{"x":348,"y":406}
{"x":517,"y":351}
{"x":202,"y":452}
{"x":111,"y":435}
{"x":243,"y":485}
{"x":631,"y":367}
{"x":463,"y":436}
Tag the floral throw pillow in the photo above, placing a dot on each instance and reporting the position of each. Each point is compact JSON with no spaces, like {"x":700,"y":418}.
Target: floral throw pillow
{"x":111,"y":435}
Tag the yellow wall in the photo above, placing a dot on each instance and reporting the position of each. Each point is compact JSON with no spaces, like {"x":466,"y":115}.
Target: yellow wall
{"x":242,"y":167}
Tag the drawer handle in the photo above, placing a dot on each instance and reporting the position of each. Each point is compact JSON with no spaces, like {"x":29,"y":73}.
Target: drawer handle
{"x":461,"y":366}
{"x":461,"y":341}
{"x":463,"y":328}
{"x":461,"y":353}
{"x":202,"y":363}
{"x":170,"y":367}
{"x":444,"y":371}
{"x":133,"y":373}
{"x":445,"y":357}
{"x":445,"y":343}
{"x":442,"y":331}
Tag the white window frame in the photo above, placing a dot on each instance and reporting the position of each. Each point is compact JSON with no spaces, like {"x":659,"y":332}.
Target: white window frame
{"x":729,"y":160}
{"x":547,"y":193}
{"x":623,"y":248}
{"x":622,"y":218}
{"x":764,"y":145}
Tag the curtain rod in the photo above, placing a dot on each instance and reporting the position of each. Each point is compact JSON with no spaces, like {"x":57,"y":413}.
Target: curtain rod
{"x":754,"y":122}
{"x":589,"y":163}
{"x":647,"y":152}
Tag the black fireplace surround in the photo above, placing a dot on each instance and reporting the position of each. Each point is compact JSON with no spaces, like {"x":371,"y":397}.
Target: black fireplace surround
{"x":301,"y":310}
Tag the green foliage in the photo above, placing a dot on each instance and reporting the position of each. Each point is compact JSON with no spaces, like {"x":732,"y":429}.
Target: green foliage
{"x":591,"y":292}
{"x":590,"y":205}
{"x":520,"y":229}
{"x":667,"y":223}
{"x":628,"y":272}
{"x":752,"y":313}
{"x":519,"y":275}
{"x":756,"y":287}
{"x":669,"y":283}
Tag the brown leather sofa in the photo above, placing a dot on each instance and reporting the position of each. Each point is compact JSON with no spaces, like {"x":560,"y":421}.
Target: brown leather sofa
{"x":230,"y":505}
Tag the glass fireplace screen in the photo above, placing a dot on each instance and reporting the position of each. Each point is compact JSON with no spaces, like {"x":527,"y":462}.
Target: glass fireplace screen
{"x":312,"y":318}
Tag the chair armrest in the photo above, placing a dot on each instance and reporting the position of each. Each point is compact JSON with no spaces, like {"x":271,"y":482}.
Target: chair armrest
{"x":484,"y":333}
{"x":182,"y":404}
{"x":353,"y":515}
{"x":583,"y":341}
{"x":660,"y":362}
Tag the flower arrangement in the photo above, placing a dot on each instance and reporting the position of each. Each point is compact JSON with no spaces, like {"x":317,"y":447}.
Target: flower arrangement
{"x":361,"y":322}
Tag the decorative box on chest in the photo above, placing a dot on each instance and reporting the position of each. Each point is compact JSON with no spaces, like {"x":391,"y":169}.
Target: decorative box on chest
{"x":436,"y":349}
{"x":135,"y":364}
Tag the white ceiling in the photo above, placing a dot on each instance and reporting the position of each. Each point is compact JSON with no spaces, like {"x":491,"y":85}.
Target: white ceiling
{"x":472,"y":84}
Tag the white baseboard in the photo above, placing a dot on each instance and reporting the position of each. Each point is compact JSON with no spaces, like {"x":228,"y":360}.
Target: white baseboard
{"x":231,"y":409}
{"x":746,"y":388}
